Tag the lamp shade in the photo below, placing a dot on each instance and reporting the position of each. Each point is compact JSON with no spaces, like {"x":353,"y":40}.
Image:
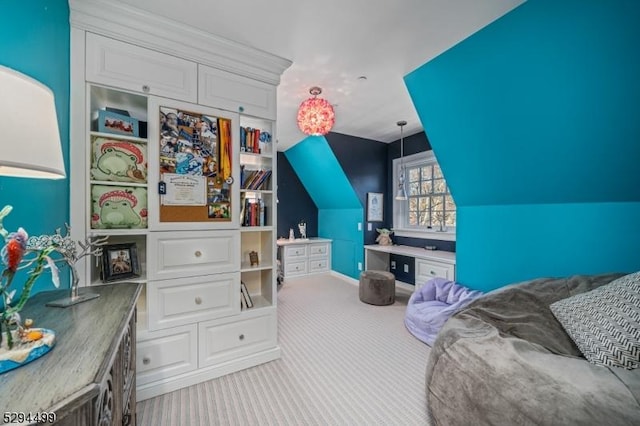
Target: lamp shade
{"x":29,"y":134}
{"x":315,"y":115}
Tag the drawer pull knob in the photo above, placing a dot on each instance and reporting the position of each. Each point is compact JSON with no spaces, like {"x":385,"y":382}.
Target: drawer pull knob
{"x":198,"y":300}
{"x":241,"y":337}
{"x":432,"y":273}
{"x":146,"y":360}
{"x":198,"y":253}
{"x":146,"y":88}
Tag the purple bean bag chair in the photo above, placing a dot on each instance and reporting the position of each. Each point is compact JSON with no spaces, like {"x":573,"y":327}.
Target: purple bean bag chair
{"x":431,"y":306}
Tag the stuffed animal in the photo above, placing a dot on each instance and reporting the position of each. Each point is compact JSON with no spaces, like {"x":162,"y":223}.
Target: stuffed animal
{"x":384,"y":239}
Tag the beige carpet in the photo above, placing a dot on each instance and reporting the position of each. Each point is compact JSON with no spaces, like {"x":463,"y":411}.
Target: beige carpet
{"x":343,"y":363}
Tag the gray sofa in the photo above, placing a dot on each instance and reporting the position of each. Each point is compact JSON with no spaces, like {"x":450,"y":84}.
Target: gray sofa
{"x":506,"y":360}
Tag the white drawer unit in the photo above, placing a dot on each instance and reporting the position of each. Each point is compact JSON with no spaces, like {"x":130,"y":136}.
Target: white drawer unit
{"x":236,"y":93}
{"x":428,"y":269}
{"x":295,"y":268}
{"x":192,"y":253}
{"x":303,"y":257}
{"x":161,"y":354}
{"x":318,"y":265}
{"x":124,"y":65}
{"x":295,"y":252}
{"x":227,"y":339}
{"x":187,"y":300}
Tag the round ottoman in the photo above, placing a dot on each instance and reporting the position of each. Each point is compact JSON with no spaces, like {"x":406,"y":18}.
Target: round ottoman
{"x":377,"y":287}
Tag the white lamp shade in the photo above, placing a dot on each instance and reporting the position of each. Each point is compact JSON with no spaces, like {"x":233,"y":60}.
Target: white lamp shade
{"x":29,"y":134}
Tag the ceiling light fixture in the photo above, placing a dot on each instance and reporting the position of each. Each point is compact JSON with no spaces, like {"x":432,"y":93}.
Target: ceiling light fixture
{"x":315,"y":115}
{"x":402,"y":192}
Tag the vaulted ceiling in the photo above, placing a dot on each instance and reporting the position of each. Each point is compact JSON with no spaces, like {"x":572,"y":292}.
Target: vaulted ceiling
{"x":334,"y":43}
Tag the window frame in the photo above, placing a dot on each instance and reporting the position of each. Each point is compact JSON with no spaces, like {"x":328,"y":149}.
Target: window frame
{"x":400,"y":208}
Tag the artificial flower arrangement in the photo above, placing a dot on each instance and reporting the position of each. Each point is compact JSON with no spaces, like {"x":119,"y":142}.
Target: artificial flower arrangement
{"x":21,"y":252}
{"x":17,"y":255}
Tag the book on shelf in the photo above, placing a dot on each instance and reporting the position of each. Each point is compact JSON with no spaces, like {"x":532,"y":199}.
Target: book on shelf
{"x":243,"y":302}
{"x":253,"y":211}
{"x":254,"y":179}
{"x":246,"y":295}
{"x":250,"y":139}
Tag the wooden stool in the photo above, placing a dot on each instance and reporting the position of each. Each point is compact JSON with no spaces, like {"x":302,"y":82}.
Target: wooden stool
{"x":377,"y":287}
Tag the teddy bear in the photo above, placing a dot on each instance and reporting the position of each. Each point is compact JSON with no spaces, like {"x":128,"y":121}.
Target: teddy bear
{"x":384,"y":239}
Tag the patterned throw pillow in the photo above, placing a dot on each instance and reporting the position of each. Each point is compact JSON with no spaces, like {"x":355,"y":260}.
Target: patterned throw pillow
{"x":605,"y":323}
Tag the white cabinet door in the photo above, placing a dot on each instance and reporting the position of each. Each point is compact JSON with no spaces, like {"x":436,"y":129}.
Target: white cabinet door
{"x":230,"y":338}
{"x":166,"y":353}
{"x":221,"y":89}
{"x":126,"y":66}
{"x":192,"y":253}
{"x":187,"y":300}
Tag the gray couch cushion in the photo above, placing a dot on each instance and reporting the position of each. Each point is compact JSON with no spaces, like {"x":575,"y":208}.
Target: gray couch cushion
{"x":605,"y":323}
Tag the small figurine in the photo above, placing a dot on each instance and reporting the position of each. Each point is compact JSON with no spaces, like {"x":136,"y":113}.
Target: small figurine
{"x":302,"y":227}
{"x":253,"y":258}
{"x":291,"y":235}
{"x":384,"y":239}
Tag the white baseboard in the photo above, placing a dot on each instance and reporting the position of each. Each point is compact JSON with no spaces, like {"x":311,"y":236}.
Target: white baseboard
{"x":345,"y":278}
{"x":400,"y":286}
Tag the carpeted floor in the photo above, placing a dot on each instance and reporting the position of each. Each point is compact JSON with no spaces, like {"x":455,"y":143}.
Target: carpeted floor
{"x":343,"y":363}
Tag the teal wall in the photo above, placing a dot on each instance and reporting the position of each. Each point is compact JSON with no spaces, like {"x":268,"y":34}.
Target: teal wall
{"x":534,"y":120}
{"x":34,"y":39}
{"x":339,"y":209}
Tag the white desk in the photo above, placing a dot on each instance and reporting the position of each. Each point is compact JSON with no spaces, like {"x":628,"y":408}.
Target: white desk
{"x":429,"y":263}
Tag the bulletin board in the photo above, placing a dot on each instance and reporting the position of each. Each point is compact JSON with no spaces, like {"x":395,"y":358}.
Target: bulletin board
{"x":195,"y":167}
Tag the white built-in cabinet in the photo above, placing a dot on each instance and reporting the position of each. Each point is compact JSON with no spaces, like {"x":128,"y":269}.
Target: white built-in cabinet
{"x":191,"y":326}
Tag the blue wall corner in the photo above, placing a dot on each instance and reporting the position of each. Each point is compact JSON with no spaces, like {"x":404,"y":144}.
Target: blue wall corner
{"x":34,"y":40}
{"x":341,"y":225}
{"x":321,"y":174}
{"x":534,"y":122}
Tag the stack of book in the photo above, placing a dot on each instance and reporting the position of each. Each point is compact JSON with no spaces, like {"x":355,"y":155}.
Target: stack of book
{"x":253,"y":212}
{"x":250,"y":140}
{"x":254,"y":179}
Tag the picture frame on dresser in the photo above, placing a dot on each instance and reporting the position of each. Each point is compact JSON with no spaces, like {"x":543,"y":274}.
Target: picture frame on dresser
{"x":375,"y":207}
{"x":119,"y":262}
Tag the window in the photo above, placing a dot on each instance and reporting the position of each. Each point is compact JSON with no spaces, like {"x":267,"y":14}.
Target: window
{"x":430,"y":207}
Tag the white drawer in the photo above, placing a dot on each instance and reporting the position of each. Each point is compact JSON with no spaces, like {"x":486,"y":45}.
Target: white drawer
{"x":226,"y":340}
{"x":318,"y":265}
{"x":295,"y":268}
{"x":126,"y":66}
{"x":222,"y":89}
{"x":161,"y":354}
{"x":187,"y":300}
{"x":427,"y":269}
{"x":318,"y":249}
{"x":291,"y":252}
{"x":192,"y":253}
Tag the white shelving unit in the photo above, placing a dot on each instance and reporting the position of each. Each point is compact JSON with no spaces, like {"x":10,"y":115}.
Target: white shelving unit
{"x":190,"y":324}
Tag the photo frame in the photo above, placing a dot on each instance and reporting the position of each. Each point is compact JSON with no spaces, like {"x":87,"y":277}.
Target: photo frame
{"x":375,"y":207}
{"x":119,"y":262}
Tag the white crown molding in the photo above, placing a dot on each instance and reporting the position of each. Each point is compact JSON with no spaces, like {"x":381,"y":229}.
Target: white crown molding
{"x":126,"y":23}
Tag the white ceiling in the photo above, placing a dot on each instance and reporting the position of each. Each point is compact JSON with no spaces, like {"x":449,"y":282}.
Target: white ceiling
{"x":333,"y":42}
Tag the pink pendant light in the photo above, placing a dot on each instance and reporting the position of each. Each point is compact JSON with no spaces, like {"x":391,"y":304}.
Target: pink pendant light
{"x":315,"y":115}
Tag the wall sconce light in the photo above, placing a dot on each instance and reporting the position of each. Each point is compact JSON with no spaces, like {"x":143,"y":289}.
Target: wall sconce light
{"x":401,"y":195}
{"x":315,"y":115}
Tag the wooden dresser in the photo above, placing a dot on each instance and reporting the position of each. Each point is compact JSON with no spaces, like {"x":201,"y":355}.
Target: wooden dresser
{"x":88,"y":378}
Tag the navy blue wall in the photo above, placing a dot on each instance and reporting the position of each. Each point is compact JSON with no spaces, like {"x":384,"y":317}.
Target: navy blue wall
{"x":294,"y":203}
{"x":413,"y":144}
{"x":364,"y":163}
